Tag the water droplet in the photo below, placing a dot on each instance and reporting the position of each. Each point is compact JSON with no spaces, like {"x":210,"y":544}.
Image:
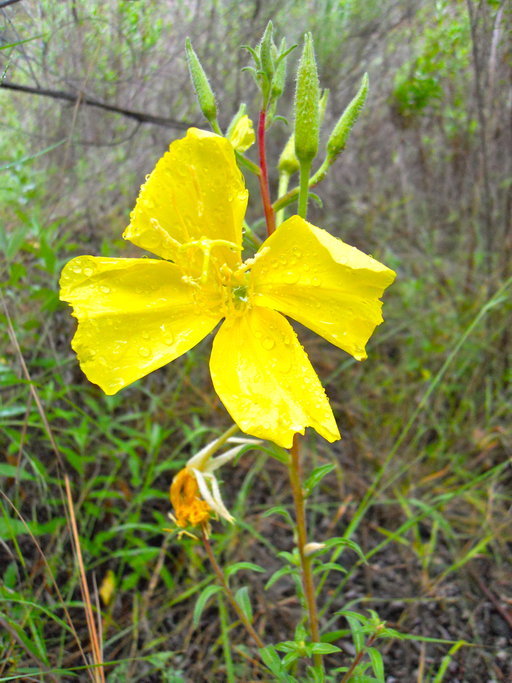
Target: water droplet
{"x":144,"y":352}
{"x":76,"y":269}
{"x":118,"y":349}
{"x":284,"y":365}
{"x":315,"y":281}
{"x":297,"y":252}
{"x":268,"y":343}
{"x":105,"y":289}
{"x":145,"y":334}
{"x":88,"y":271}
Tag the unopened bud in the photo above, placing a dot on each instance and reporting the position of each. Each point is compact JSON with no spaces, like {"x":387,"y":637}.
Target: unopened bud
{"x":266,"y":58}
{"x":312,"y":548}
{"x":322,"y":105}
{"x":204,"y":93}
{"x":279,"y":80}
{"x":339,"y":135}
{"x":288,"y":162}
{"x":307,"y":96}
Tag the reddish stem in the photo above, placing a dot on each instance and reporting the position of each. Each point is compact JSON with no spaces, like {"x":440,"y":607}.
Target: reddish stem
{"x":263,"y":178}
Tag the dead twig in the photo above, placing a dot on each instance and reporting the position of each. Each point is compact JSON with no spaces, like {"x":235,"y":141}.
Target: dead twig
{"x":81,"y":98}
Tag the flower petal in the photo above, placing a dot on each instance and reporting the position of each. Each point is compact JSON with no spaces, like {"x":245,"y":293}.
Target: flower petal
{"x":323,"y":283}
{"x":195,"y":192}
{"x":264,"y":378}
{"x":134,"y":315}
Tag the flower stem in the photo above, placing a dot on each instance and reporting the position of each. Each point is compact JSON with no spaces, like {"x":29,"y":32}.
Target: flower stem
{"x":263,"y":177}
{"x":290,"y":196}
{"x":295,"y":474}
{"x":227,"y":590}
{"x":305,"y":170}
{"x":284,"y":179}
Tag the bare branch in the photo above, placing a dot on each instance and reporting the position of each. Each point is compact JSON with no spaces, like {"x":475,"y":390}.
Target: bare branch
{"x":79,"y":97}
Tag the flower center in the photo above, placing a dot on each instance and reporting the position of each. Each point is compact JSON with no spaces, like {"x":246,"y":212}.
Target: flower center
{"x":221,"y":280}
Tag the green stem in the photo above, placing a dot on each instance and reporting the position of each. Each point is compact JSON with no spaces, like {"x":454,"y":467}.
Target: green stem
{"x":305,"y":170}
{"x":248,"y":164}
{"x":228,"y":592}
{"x":295,"y":474}
{"x":284,"y":179}
{"x":215,"y":125}
{"x":226,"y":648}
{"x":290,"y":196}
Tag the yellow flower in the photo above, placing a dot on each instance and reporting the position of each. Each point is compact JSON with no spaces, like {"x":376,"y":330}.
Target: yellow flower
{"x":242,"y":136}
{"x":136,"y":315}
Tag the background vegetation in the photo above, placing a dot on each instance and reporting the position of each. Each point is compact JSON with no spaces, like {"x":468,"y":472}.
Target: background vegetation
{"x":425,"y":184}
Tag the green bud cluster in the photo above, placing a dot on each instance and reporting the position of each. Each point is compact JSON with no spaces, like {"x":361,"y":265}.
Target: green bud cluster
{"x":269,"y":68}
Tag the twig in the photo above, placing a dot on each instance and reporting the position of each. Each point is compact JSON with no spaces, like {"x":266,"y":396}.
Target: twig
{"x":228,"y":592}
{"x":98,"y":673}
{"x":6,"y":3}
{"x":140,"y":116}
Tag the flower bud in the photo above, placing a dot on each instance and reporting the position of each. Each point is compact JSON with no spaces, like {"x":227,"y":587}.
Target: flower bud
{"x":279,"y":80}
{"x":341,"y":131}
{"x":288,"y":162}
{"x":312,"y":548}
{"x":266,"y":57}
{"x":204,"y":93}
{"x":307,"y":96}
{"x":241,"y":133}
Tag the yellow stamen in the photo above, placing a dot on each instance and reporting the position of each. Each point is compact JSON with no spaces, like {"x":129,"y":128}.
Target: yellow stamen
{"x":189,"y":509}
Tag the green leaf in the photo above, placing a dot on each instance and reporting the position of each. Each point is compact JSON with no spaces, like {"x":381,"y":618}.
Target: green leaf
{"x":377,"y":663}
{"x":316,"y":477}
{"x":243,"y":599}
{"x":284,"y":571}
{"x":249,"y":566}
{"x":330,"y":566}
{"x":203,"y":598}
{"x":356,"y":630}
{"x":341,"y":541}
{"x":330,"y":636}
{"x":279,"y":510}
{"x":323,"y":648}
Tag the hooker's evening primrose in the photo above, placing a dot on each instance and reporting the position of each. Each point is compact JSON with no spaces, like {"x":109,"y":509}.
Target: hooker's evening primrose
{"x":137,"y":314}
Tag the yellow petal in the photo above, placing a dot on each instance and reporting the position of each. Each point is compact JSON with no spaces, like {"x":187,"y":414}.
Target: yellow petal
{"x":325,"y":284}
{"x":265,"y":380}
{"x":134,"y":315}
{"x":242,"y":135}
{"x":196,"y":192}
